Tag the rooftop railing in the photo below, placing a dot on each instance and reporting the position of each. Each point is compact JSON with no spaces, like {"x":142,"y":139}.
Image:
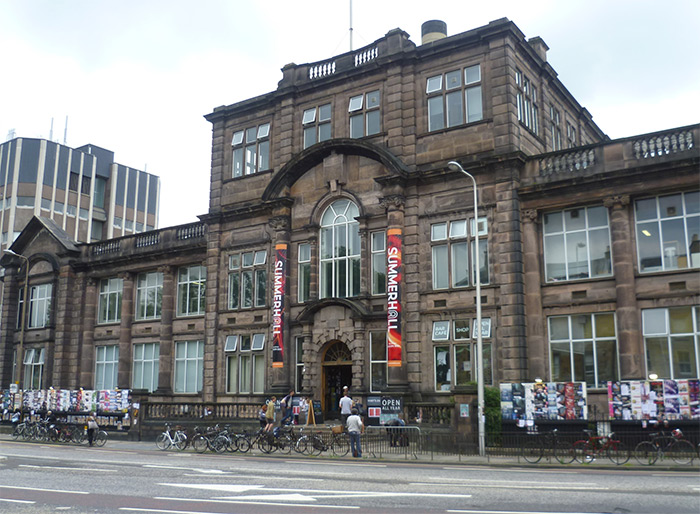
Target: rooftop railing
{"x":149,"y":241}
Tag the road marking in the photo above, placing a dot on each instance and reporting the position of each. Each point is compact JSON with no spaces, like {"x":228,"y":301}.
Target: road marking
{"x":344,"y":464}
{"x":514,"y":512}
{"x":67,"y":468}
{"x":477,"y":480}
{"x":43,"y":490}
{"x":512,"y":470}
{"x":540,"y":486}
{"x":15,"y":501}
{"x":245,"y":502}
{"x":198,"y":470}
{"x":263,"y":477}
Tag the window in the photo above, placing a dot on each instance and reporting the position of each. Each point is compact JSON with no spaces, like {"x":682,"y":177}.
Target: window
{"x":58,"y":207}
{"x":73,"y":182}
{"x":100,"y":188}
{"x":570,"y":135}
{"x":39,"y":306}
{"x":85,"y":185}
{"x":555,"y":128}
{"x":526,"y":100}
{"x":365,"y":116}
{"x":106,"y":367}
{"x":83,"y":214}
{"x":668,"y":232}
{"x":583,"y":348}
{"x":317,"y":125}
{"x":304,"y":272}
{"x":96,"y":231}
{"x":378,"y":250}
{"x":25,"y":202}
{"x":146,"y":358}
{"x":71,"y":210}
{"x":149,"y":295}
{"x":245,"y":363}
{"x":456,"y":352}
{"x":454,"y":98}
{"x":450,"y":258}
{"x":191,"y":290}
{"x":378,"y":361}
{"x":251,"y":150}
{"x":299,"y":376}
{"x":247,"y":280}
{"x":45,"y":204}
{"x":671,"y":339}
{"x":33,"y":368}
{"x":340,"y":250}
{"x":110,"y":303}
{"x":577,"y":244}
{"x":117,"y":222}
{"x":189,"y":366}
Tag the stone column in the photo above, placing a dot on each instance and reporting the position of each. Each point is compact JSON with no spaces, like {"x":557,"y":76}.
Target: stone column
{"x":167,"y":313}
{"x":394,"y":205}
{"x":629,"y":337}
{"x":87,"y":346}
{"x":281,"y":378}
{"x":8,"y":327}
{"x":535,"y":332}
{"x":127,"y":319}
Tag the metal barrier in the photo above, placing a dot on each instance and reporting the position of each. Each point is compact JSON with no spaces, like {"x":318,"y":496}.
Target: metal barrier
{"x":394,"y":440}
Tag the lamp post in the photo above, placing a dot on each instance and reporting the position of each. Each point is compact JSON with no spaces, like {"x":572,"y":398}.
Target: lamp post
{"x":19,"y":361}
{"x":455,"y":166}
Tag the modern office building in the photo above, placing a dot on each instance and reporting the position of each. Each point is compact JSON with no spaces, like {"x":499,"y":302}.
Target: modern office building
{"x":339,"y":247}
{"x":82,"y":189}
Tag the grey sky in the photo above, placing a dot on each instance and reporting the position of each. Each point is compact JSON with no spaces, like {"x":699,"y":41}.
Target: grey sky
{"x":137,"y":76}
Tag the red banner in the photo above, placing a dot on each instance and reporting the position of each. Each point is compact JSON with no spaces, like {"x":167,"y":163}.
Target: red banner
{"x":279,"y":274}
{"x":393,"y":333}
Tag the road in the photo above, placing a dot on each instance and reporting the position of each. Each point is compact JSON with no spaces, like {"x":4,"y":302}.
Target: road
{"x":38,"y":478}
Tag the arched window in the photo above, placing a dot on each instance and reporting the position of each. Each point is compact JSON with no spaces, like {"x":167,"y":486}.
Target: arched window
{"x":340,"y":250}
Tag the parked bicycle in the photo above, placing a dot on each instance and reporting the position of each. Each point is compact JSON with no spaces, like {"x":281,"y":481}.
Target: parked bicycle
{"x":172,"y":439}
{"x":540,"y":443}
{"x":594,"y":446}
{"x":314,"y":444}
{"x":673,"y":444}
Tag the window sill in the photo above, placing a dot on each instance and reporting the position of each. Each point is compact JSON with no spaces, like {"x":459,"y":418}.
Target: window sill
{"x":243,"y":177}
{"x":456,"y":127}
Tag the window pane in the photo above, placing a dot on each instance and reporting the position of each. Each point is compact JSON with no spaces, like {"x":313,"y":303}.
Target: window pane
{"x":554,"y":258}
{"x":258,"y":341}
{"x":373,"y":122}
{"x":309,"y":136}
{"x":577,"y":255}
{"x":472,"y":74}
{"x":438,"y":231}
{"x":231,"y":374}
{"x":238,"y":162}
{"x":245,"y":374}
{"x":674,"y":248}
{"x":378,"y":273}
{"x":434,"y":84}
{"x":646,"y":209}
{"x":458,"y":229}
{"x":461,"y":329}
{"x":474,"y":104}
{"x":324,"y":112}
{"x":259,"y":373}
{"x":581,"y":327}
{"x":247,"y":289}
{"x":373,"y":98}
{"x":654,"y":321}
{"x":657,"y":357}
{"x":260,"y":288}
{"x":463,"y":364}
{"x":435,"y":113}
{"x":440,"y":275}
{"x":584,"y":366}
{"x":601,"y":263}
{"x":606,"y":362}
{"x":558,"y":328}
{"x":561,"y":362}
{"x":460,"y":269}
{"x":649,"y":246}
{"x":357,"y":126}
{"x":264,"y":155}
{"x":681,"y":320}
{"x":324,"y":132}
{"x":455,"y":111}
{"x":443,"y":373}
{"x":233,"y":290}
{"x":355,"y":103}
{"x":309,"y":116}
{"x":605,"y":325}
{"x":670,"y":206}
{"x":684,"y":359}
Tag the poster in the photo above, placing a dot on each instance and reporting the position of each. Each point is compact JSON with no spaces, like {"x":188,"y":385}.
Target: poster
{"x":654,"y":400}
{"x":544,"y":400}
{"x":280,"y":274}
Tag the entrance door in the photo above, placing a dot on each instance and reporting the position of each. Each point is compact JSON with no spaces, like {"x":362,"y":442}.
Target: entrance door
{"x":337,"y":372}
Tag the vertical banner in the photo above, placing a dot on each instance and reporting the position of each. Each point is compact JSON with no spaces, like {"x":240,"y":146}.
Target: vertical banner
{"x":393,"y":333}
{"x":280,"y":273}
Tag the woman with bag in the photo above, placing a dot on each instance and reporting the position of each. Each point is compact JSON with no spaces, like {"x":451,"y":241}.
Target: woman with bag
{"x":92,"y":429}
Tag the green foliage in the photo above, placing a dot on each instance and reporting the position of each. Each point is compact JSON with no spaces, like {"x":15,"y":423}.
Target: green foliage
{"x":492,"y":412}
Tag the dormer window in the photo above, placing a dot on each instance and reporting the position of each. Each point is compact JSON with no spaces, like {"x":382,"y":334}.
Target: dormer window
{"x":251,"y":150}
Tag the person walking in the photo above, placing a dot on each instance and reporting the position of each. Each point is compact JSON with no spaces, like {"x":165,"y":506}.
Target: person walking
{"x":287,"y":409}
{"x":345,"y":406}
{"x":92,"y":428}
{"x":355,"y":428}
{"x":303,"y":410}
{"x":270,"y":413}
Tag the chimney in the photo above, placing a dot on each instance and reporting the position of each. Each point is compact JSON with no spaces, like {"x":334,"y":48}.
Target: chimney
{"x":432,"y":31}
{"x":539,"y":46}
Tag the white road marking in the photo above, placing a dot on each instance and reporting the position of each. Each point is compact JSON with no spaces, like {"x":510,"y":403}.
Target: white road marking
{"x":228,"y":488}
{"x":277,"y":504}
{"x":513,"y":512}
{"x":67,"y":468}
{"x":513,"y":486}
{"x":263,"y":477}
{"x":486,"y":480}
{"x":15,"y":501}
{"x":198,"y":470}
{"x":43,"y":490}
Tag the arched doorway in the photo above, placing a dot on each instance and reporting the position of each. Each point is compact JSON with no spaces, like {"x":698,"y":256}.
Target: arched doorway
{"x":337,"y":372}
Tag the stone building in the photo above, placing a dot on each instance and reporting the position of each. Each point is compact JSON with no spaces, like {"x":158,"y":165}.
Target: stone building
{"x":588,"y":248}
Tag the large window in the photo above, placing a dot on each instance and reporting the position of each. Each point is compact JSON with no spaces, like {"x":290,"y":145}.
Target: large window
{"x":378,"y":250}
{"x":146,"y":359}
{"x":365,"y":116}
{"x":33,"y":368}
{"x":451,"y":259}
{"x":245,"y":363}
{"x":668,"y":232}
{"x":526,"y":99}
{"x":251,"y":150}
{"x":110,"y":303}
{"x":189,"y":366}
{"x":39,"y":306}
{"x":316,"y":123}
{"x":577,"y":244}
{"x":583,"y":348}
{"x":378,"y":361}
{"x":299,"y":375}
{"x":304,"y":272}
{"x":191,"y":290}
{"x":454,"y":98}
{"x":671,"y":339}
{"x":106,"y":367}
{"x":247,"y":280}
{"x":455,"y":352}
{"x":340,"y":250}
{"x":149,"y":295}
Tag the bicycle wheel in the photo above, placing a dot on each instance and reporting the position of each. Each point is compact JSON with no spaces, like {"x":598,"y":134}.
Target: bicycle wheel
{"x":284,"y":444}
{"x":618,"y":452}
{"x":180,"y":442}
{"x":100,"y":438}
{"x":242,"y":444}
{"x":583,"y":453}
{"x":564,"y":452}
{"x":532,"y":451}
{"x":682,"y":452}
{"x":220,"y":443}
{"x":200,"y":444}
{"x":265,"y":445}
{"x":79,"y":435}
{"x":646,"y":453}
{"x":17,"y":431}
{"x":302,"y":445}
{"x":163,"y":441}
{"x":340,"y":446}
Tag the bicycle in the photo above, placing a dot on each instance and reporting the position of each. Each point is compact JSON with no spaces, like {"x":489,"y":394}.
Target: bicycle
{"x":680,"y":449}
{"x":314,"y":444}
{"x":534,"y":449}
{"x":167,"y":439}
{"x":587,"y":450}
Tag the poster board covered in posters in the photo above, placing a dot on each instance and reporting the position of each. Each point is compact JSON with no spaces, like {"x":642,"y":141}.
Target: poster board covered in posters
{"x":381,"y":409}
{"x":544,"y":400}
{"x":654,"y":399}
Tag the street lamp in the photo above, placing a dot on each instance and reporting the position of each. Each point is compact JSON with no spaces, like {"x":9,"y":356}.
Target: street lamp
{"x":455,"y":166}
{"x":19,"y":361}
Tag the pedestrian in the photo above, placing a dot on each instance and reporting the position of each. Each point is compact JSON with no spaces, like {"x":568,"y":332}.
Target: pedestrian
{"x":262,"y":418}
{"x":355,"y":429}
{"x":303,"y":410}
{"x":287,"y":409}
{"x":92,"y":427}
{"x":345,"y":406}
{"x":270,"y":413}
